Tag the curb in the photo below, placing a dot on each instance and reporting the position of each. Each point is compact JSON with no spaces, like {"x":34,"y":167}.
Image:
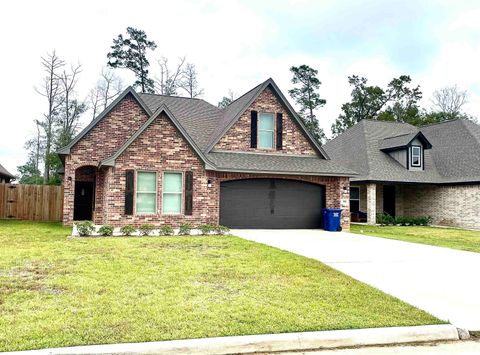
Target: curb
{"x":270,"y":342}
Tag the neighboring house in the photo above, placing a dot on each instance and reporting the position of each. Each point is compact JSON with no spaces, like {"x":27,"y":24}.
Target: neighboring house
{"x":173,"y":160}
{"x":404,"y":170}
{"x":5,"y":176}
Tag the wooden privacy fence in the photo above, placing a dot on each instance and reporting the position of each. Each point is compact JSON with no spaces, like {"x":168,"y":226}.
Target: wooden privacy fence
{"x":31,"y":202}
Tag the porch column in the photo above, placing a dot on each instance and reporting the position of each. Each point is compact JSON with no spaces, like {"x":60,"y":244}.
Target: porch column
{"x":371,"y":203}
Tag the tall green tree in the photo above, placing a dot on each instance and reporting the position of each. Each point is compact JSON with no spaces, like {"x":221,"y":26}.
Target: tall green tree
{"x":307,"y":97}
{"x":131,"y":53}
{"x":397,"y":102}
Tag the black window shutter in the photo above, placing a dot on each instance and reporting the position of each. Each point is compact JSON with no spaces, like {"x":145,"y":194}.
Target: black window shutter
{"x":129,"y":190}
{"x":279,"y":131}
{"x":188,"y":193}
{"x":253,"y":129}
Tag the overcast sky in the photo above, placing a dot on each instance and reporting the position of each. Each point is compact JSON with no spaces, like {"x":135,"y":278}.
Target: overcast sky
{"x":237,"y":44}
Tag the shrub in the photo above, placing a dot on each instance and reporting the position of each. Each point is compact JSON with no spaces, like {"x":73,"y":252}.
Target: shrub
{"x":128,"y":230}
{"x":105,"y":230}
{"x":425,"y":221}
{"x":221,"y":230}
{"x":205,"y":229}
{"x":185,"y":229}
{"x":404,"y":221}
{"x":85,"y":228}
{"x":146,"y":229}
{"x":385,"y":219}
{"x":166,"y":230}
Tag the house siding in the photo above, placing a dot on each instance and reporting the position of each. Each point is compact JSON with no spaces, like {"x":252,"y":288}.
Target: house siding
{"x":237,"y":137}
{"x":455,"y":206}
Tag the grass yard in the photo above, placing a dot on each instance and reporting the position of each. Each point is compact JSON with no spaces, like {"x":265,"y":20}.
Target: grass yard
{"x":443,"y":237}
{"x":57,"y":292}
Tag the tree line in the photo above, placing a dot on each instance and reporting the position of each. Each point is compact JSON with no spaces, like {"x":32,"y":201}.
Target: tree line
{"x":60,"y":122}
{"x":399,"y":101}
{"x":57,"y":126}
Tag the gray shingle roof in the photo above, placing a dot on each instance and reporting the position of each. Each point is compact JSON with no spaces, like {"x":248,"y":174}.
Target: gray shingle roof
{"x":198,"y":117}
{"x":456,"y":149}
{"x":453,"y":158}
{"x":276,"y":163}
{"x":5,"y":172}
{"x":203,"y":124}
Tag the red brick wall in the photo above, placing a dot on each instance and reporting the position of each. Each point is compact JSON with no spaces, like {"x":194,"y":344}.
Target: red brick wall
{"x":160,"y":148}
{"x":100,"y":143}
{"x":238,"y":136}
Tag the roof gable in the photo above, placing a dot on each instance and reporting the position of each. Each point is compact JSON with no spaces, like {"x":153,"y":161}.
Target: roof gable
{"x":128,"y":91}
{"x":403,"y":141}
{"x":110,"y":161}
{"x":232,"y":113}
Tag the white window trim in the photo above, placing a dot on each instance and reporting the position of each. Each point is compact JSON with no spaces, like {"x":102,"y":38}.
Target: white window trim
{"x":146,"y":192}
{"x":266,"y":130}
{"x":173,"y":193}
{"x":419,"y":156}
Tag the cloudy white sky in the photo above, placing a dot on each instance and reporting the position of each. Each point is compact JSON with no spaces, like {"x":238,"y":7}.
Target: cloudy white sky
{"x":237,"y":44}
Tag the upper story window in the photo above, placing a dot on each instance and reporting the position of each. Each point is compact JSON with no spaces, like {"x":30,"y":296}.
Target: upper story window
{"x":416,"y":156}
{"x":266,"y":130}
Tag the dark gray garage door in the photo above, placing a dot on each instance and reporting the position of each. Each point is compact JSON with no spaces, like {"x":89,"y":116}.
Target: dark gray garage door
{"x":271,"y":203}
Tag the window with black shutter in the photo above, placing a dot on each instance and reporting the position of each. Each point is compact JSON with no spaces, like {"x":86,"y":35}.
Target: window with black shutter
{"x":188,"y":193}
{"x":279,"y":131}
{"x":253,"y":129}
{"x":129,"y":191}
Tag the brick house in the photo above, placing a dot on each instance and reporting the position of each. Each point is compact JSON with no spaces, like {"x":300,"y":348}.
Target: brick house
{"x":409,"y":171}
{"x":173,"y":160}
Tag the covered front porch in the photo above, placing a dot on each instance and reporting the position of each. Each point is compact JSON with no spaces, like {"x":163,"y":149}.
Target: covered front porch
{"x":369,"y":199}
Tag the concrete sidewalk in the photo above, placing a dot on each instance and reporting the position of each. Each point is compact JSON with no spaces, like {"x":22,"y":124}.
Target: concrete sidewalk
{"x":438,"y":280}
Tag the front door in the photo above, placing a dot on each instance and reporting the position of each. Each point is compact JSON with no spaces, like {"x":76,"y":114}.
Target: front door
{"x":83,"y":204}
{"x":389,"y":200}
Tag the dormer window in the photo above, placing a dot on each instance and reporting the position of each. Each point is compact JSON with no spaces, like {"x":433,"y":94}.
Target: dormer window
{"x":416,"y":156}
{"x":266,"y":130}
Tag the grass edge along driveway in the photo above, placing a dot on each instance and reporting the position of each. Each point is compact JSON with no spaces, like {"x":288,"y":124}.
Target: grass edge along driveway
{"x":57,"y":291}
{"x":453,"y":238}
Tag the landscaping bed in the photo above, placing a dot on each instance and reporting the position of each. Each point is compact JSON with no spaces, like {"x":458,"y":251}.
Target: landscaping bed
{"x":61,"y":291}
{"x":444,"y":237}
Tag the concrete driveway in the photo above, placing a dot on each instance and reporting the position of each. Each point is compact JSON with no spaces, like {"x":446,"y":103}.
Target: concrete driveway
{"x":441,"y":281}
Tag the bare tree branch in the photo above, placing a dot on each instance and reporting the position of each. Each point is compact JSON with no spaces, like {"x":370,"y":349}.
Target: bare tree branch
{"x":449,"y":100}
{"x":189,"y":82}
{"x":169,"y":80}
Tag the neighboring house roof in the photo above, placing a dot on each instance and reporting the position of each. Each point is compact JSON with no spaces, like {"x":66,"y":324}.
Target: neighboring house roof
{"x":453,"y":157}
{"x":276,"y":163}
{"x":203,"y":124}
{"x":4,"y":172}
{"x":456,"y":149}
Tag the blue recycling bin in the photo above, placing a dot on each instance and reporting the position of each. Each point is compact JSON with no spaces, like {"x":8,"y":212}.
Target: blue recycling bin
{"x":331,"y":219}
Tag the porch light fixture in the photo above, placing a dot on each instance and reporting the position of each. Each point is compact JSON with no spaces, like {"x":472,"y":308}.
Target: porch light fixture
{"x":69,"y":178}
{"x":209,"y":183}
{"x":345,"y":189}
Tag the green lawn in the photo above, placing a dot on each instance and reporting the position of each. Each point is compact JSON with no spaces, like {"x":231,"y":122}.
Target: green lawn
{"x":56,"y":291}
{"x":442,"y":237}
